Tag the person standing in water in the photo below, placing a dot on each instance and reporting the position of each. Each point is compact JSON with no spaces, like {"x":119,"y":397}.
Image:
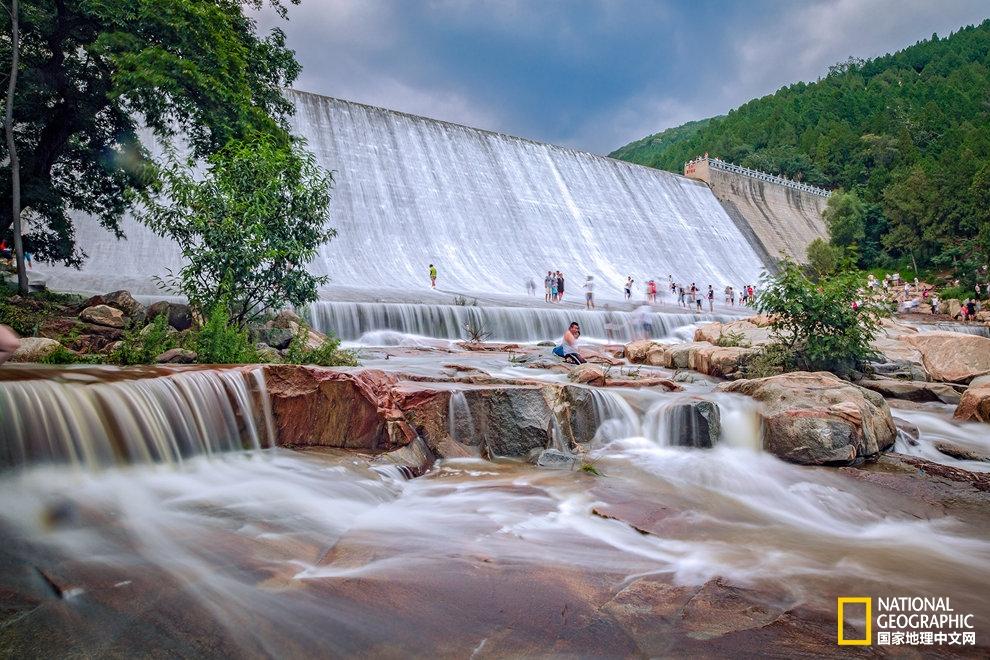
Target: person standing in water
{"x":568,"y":345}
{"x":589,"y":293}
{"x":629,"y":285}
{"x":560,"y":286}
{"x":711,"y":298}
{"x":547,"y":287}
{"x":433,"y":276}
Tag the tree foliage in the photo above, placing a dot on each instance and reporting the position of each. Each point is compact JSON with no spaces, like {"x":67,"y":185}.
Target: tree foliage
{"x":823,"y":324}
{"x":823,"y":257}
{"x":845,"y":215}
{"x":908,"y":134}
{"x":248,"y":228}
{"x":91,"y":70}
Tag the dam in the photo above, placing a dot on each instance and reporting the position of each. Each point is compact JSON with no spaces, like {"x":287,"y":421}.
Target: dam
{"x":491,"y":211}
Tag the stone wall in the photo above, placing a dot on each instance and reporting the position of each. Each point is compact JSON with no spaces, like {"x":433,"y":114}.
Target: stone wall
{"x":778,"y":220}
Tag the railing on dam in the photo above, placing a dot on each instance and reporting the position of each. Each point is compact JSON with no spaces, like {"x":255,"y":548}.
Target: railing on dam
{"x":719,"y":164}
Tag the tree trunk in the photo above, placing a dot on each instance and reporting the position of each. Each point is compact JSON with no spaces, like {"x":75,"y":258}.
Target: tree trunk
{"x":15,"y":167}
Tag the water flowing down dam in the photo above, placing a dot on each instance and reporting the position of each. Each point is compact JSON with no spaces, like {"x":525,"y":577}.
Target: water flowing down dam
{"x":490,"y":210}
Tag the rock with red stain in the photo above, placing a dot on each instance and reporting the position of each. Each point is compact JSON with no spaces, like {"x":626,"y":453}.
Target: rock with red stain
{"x":974,"y":406}
{"x":817,"y":418}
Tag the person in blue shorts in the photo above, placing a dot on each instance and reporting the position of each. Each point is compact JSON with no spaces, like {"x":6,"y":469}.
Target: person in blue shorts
{"x":568,"y":345}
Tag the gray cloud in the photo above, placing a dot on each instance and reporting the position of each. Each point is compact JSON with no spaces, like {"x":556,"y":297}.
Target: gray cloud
{"x":589,"y":74}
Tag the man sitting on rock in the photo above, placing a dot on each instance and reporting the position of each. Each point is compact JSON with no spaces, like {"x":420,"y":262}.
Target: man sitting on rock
{"x":568,"y":349}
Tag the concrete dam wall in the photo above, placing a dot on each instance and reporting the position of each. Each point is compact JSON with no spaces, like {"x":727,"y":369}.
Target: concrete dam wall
{"x":490,"y":210}
{"x":778,"y":217}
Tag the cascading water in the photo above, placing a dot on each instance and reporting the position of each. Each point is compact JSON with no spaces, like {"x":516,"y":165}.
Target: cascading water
{"x":363,"y":322}
{"x":76,"y":417}
{"x":490,"y":210}
{"x":459,"y":419}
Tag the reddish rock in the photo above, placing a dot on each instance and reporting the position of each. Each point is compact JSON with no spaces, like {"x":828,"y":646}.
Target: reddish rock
{"x":587,"y":374}
{"x":952,"y":357}
{"x":974,"y":406}
{"x":104,"y":315}
{"x":816,"y":418}
{"x":316,"y":406}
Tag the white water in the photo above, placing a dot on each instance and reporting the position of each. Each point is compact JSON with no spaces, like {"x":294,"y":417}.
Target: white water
{"x":363,"y":322}
{"x":286,"y":553}
{"x":490,"y":210}
{"x":934,"y":428}
{"x":77,"y":417}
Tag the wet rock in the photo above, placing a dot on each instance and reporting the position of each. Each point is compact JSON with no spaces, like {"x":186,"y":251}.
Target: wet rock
{"x":974,"y":405}
{"x":414,"y":460}
{"x":961,"y":453}
{"x":816,"y":418}
{"x":587,"y":374}
{"x":557,"y":460}
{"x":179,"y":315}
{"x":687,"y":376}
{"x":315,"y":406}
{"x":694,"y":424}
{"x":952,"y":356}
{"x":34,"y":349}
{"x":912,"y":390}
{"x":177,"y":356}
{"x":649,"y":381}
{"x":104,"y":315}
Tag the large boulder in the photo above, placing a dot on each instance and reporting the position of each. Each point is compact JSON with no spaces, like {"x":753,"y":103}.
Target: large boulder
{"x":749,"y":333}
{"x":816,"y":418}
{"x":974,"y":406}
{"x":179,"y":315}
{"x":912,"y":390}
{"x":952,"y":357}
{"x":315,"y":406}
{"x":34,"y":349}
{"x":647,"y":352}
{"x":588,"y":374}
{"x":104,"y":315}
{"x":122,"y":300}
{"x":693,"y":424}
{"x":177,"y":356}
{"x":715,"y":360}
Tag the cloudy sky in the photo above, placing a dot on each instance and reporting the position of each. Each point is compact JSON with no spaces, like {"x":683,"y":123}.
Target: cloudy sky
{"x":591,"y":74}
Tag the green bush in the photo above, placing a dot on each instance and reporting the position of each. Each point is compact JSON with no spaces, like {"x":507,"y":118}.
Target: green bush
{"x":329,"y":354}
{"x":732,"y":339}
{"x":64,"y":356}
{"x":142,"y":347}
{"x":960,"y":293}
{"x":770,"y":360}
{"x":816,"y":322}
{"x":220,"y":341}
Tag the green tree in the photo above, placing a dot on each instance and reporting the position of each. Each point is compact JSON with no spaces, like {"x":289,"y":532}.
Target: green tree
{"x":248,"y":228}
{"x":823,"y":324}
{"x":89,"y":69}
{"x":823,"y":257}
{"x":911,"y":206}
{"x":845,"y":215}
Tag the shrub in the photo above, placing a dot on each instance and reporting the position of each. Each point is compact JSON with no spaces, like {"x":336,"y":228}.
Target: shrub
{"x":329,"y":354}
{"x":770,"y":360}
{"x":62,"y":355}
{"x":817,"y":321}
{"x":221,"y":342}
{"x":142,"y":347}
{"x":732,"y":339}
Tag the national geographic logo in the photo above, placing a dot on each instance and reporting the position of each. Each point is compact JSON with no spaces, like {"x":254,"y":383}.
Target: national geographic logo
{"x":905,"y":621}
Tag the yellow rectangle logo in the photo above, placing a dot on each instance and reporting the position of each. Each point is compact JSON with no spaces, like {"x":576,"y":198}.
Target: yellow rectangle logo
{"x":868,"y":602}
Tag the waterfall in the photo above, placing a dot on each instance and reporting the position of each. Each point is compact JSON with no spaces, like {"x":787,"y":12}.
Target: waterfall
{"x":490,"y":210}
{"x":353,"y":321}
{"x":460,"y":419}
{"x":68,"y":417}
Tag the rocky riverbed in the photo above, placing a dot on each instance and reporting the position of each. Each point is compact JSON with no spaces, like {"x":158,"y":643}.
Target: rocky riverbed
{"x":484,"y":500}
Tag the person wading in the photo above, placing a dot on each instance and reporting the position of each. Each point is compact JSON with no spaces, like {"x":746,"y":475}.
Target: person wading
{"x":433,"y":276}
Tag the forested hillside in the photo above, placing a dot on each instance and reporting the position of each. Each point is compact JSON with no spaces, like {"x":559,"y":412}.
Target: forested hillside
{"x":906,"y":136}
